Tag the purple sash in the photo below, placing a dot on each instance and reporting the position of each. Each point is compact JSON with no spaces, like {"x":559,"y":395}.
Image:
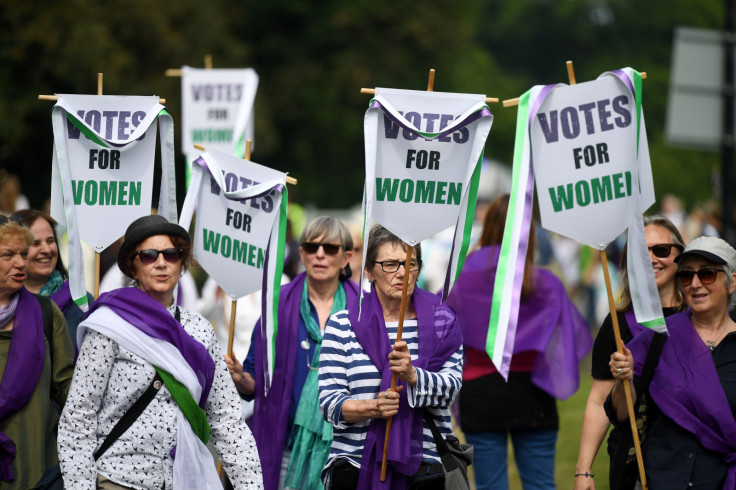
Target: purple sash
{"x":150,"y":317}
{"x":271,"y":413}
{"x":63,"y":297}
{"x":634,"y":327}
{"x":549,"y":323}
{"x":687,"y":389}
{"x":438,"y":338}
{"x":23,"y":368}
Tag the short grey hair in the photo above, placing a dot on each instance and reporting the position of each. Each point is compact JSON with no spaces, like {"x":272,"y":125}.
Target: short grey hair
{"x":331,"y":229}
{"x":380,"y":235}
{"x":729,"y":281}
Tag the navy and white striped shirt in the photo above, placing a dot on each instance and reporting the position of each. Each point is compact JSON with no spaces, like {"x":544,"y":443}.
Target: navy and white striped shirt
{"x":347,"y":373}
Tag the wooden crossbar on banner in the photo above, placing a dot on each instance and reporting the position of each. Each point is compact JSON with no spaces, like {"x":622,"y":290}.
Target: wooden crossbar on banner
{"x":176,"y":72}
{"x":571,"y":76}
{"x":614,"y":317}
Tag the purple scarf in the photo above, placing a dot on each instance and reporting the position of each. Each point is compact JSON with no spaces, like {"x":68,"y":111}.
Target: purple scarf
{"x":686,"y":388}
{"x":23,"y":368}
{"x":549,"y":323}
{"x":438,"y":338}
{"x":63,"y":298}
{"x":150,"y":317}
{"x":271,"y":413}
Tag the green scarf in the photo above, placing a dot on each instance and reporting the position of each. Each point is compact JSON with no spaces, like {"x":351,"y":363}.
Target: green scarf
{"x":313,"y":434}
{"x":53,"y":284}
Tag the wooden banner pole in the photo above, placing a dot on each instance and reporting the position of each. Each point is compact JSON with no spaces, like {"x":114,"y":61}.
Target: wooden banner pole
{"x":402,"y":311}
{"x":619,"y":343}
{"x":627,"y":388}
{"x":399,"y":332}
{"x":234,"y":304}
{"x":97,"y":254}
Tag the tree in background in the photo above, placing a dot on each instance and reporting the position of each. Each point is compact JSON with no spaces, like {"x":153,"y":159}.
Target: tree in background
{"x":313,"y":58}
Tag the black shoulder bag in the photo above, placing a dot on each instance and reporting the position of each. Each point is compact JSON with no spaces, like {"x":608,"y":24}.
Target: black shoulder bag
{"x":455,"y":457}
{"x":624,"y":471}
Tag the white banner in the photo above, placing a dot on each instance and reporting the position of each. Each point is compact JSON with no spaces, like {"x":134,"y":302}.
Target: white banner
{"x":217,"y":109}
{"x":238,"y":203}
{"x":584,"y":143}
{"x":102,"y":177}
{"x":422,"y":153}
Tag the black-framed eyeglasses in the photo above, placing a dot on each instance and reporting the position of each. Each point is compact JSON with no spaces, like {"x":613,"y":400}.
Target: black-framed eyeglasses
{"x":150,"y":255}
{"x":393,"y":265}
{"x":664,"y":250}
{"x":13,"y":217}
{"x":706,"y":276}
{"x":313,"y":247}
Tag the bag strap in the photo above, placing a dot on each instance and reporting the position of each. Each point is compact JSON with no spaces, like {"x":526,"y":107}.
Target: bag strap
{"x":652,"y":360}
{"x":447,"y":460}
{"x":48,"y":322}
{"x":130,"y":416}
{"x":133,"y":412}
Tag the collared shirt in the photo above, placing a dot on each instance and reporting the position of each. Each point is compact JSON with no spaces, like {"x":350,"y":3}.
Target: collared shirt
{"x":107,"y":381}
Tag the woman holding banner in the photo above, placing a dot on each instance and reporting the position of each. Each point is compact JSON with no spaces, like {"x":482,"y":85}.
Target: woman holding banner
{"x":36,"y":365}
{"x":691,"y":443}
{"x":46,"y":274}
{"x":665,"y":245}
{"x":150,"y":380}
{"x":293,"y":439}
{"x":356,"y":367}
{"x":551,"y":339}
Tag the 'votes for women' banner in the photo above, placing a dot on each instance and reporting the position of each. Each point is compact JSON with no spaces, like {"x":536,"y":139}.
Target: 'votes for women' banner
{"x":423,"y":151}
{"x":102,"y":172}
{"x":588,"y":148}
{"x":217,"y":110}
{"x":240,"y":230}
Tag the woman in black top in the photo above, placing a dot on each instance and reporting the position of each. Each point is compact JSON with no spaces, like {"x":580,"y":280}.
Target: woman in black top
{"x":665,"y":244}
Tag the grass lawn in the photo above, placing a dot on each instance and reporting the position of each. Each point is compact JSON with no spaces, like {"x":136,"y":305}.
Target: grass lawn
{"x":568,"y":441}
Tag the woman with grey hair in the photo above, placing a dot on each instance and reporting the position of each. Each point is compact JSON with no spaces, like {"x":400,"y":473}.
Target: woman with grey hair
{"x":665,"y":244}
{"x":359,"y":356}
{"x":293,"y":440}
{"x":692,"y":442}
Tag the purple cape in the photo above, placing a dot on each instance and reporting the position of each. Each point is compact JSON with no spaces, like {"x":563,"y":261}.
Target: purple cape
{"x":23,"y":368}
{"x":150,"y":317}
{"x":438,"y":338}
{"x":686,"y":388}
{"x":549,"y":323}
{"x":271,"y":413}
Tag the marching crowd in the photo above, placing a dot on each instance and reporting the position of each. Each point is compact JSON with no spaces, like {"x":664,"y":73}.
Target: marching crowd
{"x":139,"y":393}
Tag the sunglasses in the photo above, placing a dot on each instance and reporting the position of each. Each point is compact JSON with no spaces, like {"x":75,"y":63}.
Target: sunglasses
{"x":663,"y":251}
{"x":13,"y":217}
{"x":313,"y":247}
{"x":150,"y":255}
{"x":706,"y":276}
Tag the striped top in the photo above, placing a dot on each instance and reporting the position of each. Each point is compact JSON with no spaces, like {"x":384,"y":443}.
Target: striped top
{"x":346,"y":372}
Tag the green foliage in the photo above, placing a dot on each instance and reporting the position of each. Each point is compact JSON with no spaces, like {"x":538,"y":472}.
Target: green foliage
{"x":312,"y":59}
